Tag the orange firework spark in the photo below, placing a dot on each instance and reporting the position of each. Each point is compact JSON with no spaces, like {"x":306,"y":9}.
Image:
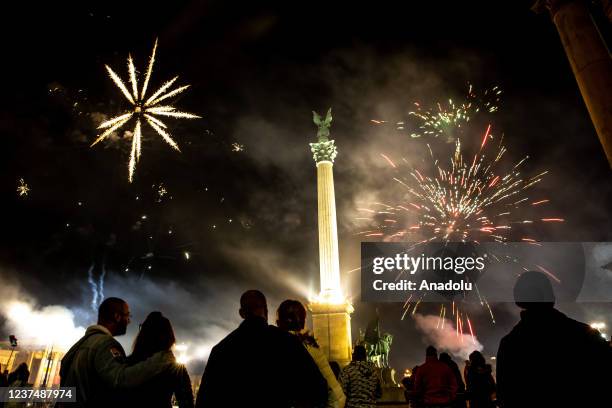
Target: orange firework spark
{"x":389,"y":160}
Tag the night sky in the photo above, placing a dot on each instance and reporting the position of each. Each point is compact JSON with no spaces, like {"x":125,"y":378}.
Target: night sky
{"x":248,"y":218}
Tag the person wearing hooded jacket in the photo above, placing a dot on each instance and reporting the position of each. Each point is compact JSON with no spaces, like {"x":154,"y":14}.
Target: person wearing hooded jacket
{"x":360,"y":381}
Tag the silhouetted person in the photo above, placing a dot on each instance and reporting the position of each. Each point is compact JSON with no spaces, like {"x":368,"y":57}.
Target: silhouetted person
{"x":156,"y":334}
{"x":480,"y":382}
{"x":4,"y":378}
{"x":96,"y":364}
{"x":409,"y":391}
{"x":361,"y":381}
{"x":292,"y":318}
{"x":548,"y":359}
{"x":460,"y":399}
{"x":435,"y":383}
{"x":19,"y":377}
{"x":3,"y":383}
{"x":280,"y":371}
{"x":408,"y":383}
{"x":335,"y":367}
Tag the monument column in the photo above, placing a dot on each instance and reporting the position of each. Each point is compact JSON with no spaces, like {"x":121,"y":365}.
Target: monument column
{"x":331,"y":311}
{"x":590,"y":61}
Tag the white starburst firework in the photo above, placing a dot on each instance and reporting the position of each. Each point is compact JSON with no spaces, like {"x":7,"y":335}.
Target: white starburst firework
{"x":144,"y":108}
{"x":22,"y":188}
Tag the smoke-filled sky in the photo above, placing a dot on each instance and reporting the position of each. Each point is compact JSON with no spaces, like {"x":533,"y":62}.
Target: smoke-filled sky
{"x":247,"y":218}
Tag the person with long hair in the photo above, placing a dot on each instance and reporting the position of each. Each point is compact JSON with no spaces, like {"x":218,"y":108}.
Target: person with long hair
{"x":291,"y":317}
{"x":480,"y":382}
{"x":156,"y":334}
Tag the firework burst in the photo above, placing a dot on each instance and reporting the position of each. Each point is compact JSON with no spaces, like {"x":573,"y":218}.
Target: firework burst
{"x":143,"y":109}
{"x":22,"y":188}
{"x":468,"y":200}
{"x":449,"y":119}
{"x":461,"y":199}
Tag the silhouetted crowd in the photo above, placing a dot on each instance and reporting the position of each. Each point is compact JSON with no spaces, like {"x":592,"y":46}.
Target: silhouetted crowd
{"x":547,"y":360}
{"x":439,"y":383}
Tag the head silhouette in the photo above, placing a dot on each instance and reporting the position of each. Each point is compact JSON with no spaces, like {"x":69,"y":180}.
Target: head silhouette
{"x":431,"y":351}
{"x":253,"y":305}
{"x":445,"y":358}
{"x":477,"y":359}
{"x":291,"y":315}
{"x":114,"y":314}
{"x":359,"y":353}
{"x":156,"y":334}
{"x":533,"y":290}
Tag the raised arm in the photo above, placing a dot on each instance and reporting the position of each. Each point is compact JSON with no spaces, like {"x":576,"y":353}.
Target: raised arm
{"x":110,"y":365}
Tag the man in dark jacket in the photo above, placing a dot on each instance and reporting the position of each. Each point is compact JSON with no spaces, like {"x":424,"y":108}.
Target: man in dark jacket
{"x":279,"y":371}
{"x":548,"y":359}
{"x":96,"y":364}
{"x":435,"y":384}
{"x":448,"y":360}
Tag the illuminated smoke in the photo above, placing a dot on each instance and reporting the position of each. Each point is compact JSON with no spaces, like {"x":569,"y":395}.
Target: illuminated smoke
{"x":445,"y":337}
{"x":41,"y":326}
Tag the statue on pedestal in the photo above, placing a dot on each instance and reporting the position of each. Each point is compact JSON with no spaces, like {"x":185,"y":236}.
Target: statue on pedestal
{"x":377,"y":346}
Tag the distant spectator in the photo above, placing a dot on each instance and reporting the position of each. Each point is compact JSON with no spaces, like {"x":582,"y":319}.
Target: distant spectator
{"x":335,"y":367}
{"x":480,"y":382}
{"x":156,"y":334}
{"x":4,"y":378}
{"x":548,"y":359}
{"x":3,"y":382}
{"x":19,"y":377}
{"x":435,"y":383}
{"x":460,"y":399}
{"x":292,"y":318}
{"x":281,"y":373}
{"x":361,"y":381}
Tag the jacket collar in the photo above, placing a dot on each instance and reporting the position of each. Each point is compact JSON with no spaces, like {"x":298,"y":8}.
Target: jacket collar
{"x":253,"y":322}
{"x":99,"y":328}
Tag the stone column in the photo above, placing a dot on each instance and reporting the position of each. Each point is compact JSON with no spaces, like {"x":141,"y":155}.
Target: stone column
{"x":328,"y":232}
{"x":590,"y":60}
{"x":331,"y":320}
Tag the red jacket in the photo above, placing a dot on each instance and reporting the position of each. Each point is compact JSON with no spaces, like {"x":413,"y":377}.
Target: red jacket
{"x":435,"y":383}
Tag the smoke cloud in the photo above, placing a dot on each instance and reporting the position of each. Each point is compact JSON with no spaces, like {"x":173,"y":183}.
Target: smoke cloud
{"x":35,"y":325}
{"x":444,"y":336}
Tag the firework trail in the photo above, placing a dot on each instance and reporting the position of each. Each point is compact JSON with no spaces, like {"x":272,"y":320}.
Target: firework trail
{"x":97,"y":286}
{"x":144,"y":109}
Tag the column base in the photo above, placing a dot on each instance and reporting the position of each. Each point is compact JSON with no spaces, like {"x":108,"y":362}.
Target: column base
{"x":331,"y":324}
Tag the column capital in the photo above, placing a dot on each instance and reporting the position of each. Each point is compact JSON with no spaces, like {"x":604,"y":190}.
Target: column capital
{"x":324,"y":151}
